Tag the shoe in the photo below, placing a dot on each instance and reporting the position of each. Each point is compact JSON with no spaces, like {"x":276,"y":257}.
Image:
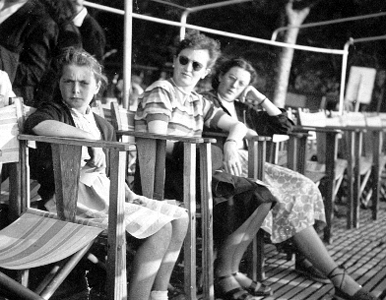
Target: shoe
{"x":237,"y":293}
{"x":362,"y":294}
{"x":304,"y":267}
{"x":257,"y":288}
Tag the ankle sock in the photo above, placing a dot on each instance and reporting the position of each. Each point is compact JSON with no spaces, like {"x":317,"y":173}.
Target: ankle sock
{"x":159,"y":295}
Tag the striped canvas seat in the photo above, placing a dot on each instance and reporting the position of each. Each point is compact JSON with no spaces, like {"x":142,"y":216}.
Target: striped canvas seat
{"x":39,"y":238}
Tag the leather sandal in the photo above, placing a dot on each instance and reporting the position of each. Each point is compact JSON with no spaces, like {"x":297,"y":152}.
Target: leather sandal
{"x":237,"y":293}
{"x":257,"y":288}
{"x":362,"y":294}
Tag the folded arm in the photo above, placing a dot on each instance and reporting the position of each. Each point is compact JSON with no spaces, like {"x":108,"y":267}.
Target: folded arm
{"x":58,"y":129}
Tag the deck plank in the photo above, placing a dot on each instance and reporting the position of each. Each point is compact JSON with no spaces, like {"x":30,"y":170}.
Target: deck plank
{"x":362,"y":251}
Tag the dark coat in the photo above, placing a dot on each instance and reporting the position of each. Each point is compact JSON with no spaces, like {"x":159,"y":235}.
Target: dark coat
{"x":93,"y":37}
{"x":28,"y":39}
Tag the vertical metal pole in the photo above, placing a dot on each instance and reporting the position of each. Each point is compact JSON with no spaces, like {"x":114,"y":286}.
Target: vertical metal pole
{"x":127,"y":46}
{"x":184,"y":17}
{"x":343,"y":76}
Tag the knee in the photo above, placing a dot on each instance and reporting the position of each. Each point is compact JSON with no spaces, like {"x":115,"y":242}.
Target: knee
{"x":180,"y":226}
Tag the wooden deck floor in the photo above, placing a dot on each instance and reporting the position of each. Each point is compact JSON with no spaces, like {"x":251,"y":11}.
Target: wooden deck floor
{"x":361,"y":250}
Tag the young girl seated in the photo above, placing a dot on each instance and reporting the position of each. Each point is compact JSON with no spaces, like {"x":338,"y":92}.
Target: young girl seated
{"x":158,"y":227}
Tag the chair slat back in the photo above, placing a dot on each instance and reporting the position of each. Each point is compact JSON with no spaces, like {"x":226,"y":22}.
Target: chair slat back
{"x":66,"y":162}
{"x":122,"y":118}
{"x":10,"y":117}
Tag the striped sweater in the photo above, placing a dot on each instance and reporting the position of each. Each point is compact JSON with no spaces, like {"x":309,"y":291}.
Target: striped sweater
{"x":185,"y":113}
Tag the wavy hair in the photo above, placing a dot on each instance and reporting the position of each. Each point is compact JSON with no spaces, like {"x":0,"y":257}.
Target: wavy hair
{"x":228,"y":64}
{"x":79,"y":57}
{"x":198,"y":41}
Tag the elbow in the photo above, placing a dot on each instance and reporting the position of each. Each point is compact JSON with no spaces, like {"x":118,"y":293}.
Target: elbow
{"x":240,"y":129}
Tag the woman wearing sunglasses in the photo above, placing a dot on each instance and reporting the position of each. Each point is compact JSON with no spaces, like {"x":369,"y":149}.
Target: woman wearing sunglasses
{"x":173,"y":107}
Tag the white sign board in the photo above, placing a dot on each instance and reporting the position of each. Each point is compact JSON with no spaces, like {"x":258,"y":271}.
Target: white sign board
{"x":360,"y":84}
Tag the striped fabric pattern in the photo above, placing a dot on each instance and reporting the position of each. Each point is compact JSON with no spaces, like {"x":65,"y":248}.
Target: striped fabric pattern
{"x":38,"y":239}
{"x":184,"y":112}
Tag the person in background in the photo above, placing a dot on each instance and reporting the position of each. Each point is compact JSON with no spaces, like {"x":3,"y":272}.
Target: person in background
{"x":160,"y":235}
{"x":300,"y":203}
{"x":93,"y":35}
{"x":172,"y":107}
{"x":28,"y":37}
{"x":62,"y":12}
{"x":136,"y":90}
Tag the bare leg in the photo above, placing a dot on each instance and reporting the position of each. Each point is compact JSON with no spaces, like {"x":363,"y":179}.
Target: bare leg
{"x":179,"y":228}
{"x":312,"y":247}
{"x":147,"y":262}
{"x":232,"y":250}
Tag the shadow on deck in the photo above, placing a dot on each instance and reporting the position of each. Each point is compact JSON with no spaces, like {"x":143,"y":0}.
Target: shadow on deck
{"x":362,"y":251}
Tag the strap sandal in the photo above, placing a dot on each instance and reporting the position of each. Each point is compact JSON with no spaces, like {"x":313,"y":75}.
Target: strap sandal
{"x":361,"y":294}
{"x":257,"y":288}
{"x":237,"y":293}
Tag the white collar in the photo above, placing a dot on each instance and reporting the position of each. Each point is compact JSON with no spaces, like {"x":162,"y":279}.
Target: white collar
{"x":79,"y":18}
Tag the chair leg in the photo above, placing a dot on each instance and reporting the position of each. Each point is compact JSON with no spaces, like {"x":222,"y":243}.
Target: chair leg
{"x":62,"y":273}
{"x":258,"y":263}
{"x":17,"y":288}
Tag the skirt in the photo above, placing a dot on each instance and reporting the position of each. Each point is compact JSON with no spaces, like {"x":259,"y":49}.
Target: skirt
{"x":299,"y":205}
{"x":143,"y":216}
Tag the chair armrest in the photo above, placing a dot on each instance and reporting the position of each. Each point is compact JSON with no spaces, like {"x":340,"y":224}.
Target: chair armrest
{"x":299,"y":134}
{"x":193,"y":140}
{"x":75,"y":142}
{"x":260,"y":138}
{"x":215,"y":134}
{"x":304,"y":129}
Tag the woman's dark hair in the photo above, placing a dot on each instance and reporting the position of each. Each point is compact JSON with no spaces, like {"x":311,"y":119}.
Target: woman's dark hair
{"x":198,"y":41}
{"x":228,"y":64}
{"x":79,"y":57}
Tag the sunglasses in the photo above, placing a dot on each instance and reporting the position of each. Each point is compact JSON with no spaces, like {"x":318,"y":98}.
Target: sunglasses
{"x":183,"y":60}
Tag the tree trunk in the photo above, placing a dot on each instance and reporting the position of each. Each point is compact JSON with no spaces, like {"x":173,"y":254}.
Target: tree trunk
{"x":295,"y":18}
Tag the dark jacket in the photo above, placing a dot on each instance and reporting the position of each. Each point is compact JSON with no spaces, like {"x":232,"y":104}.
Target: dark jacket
{"x":28,"y":38}
{"x":41,"y":158}
{"x":93,"y":37}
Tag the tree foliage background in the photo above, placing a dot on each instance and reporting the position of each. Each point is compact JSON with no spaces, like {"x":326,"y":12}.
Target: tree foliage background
{"x":153,"y":43}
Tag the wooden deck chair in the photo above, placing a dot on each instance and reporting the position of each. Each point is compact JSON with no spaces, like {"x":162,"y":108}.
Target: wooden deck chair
{"x":39,"y":238}
{"x":364,"y":160}
{"x":151,"y":151}
{"x":277,"y":150}
{"x":10,"y":148}
{"x":123,"y":121}
{"x":370,"y":165}
{"x":257,"y":155}
{"x":328,"y":166}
